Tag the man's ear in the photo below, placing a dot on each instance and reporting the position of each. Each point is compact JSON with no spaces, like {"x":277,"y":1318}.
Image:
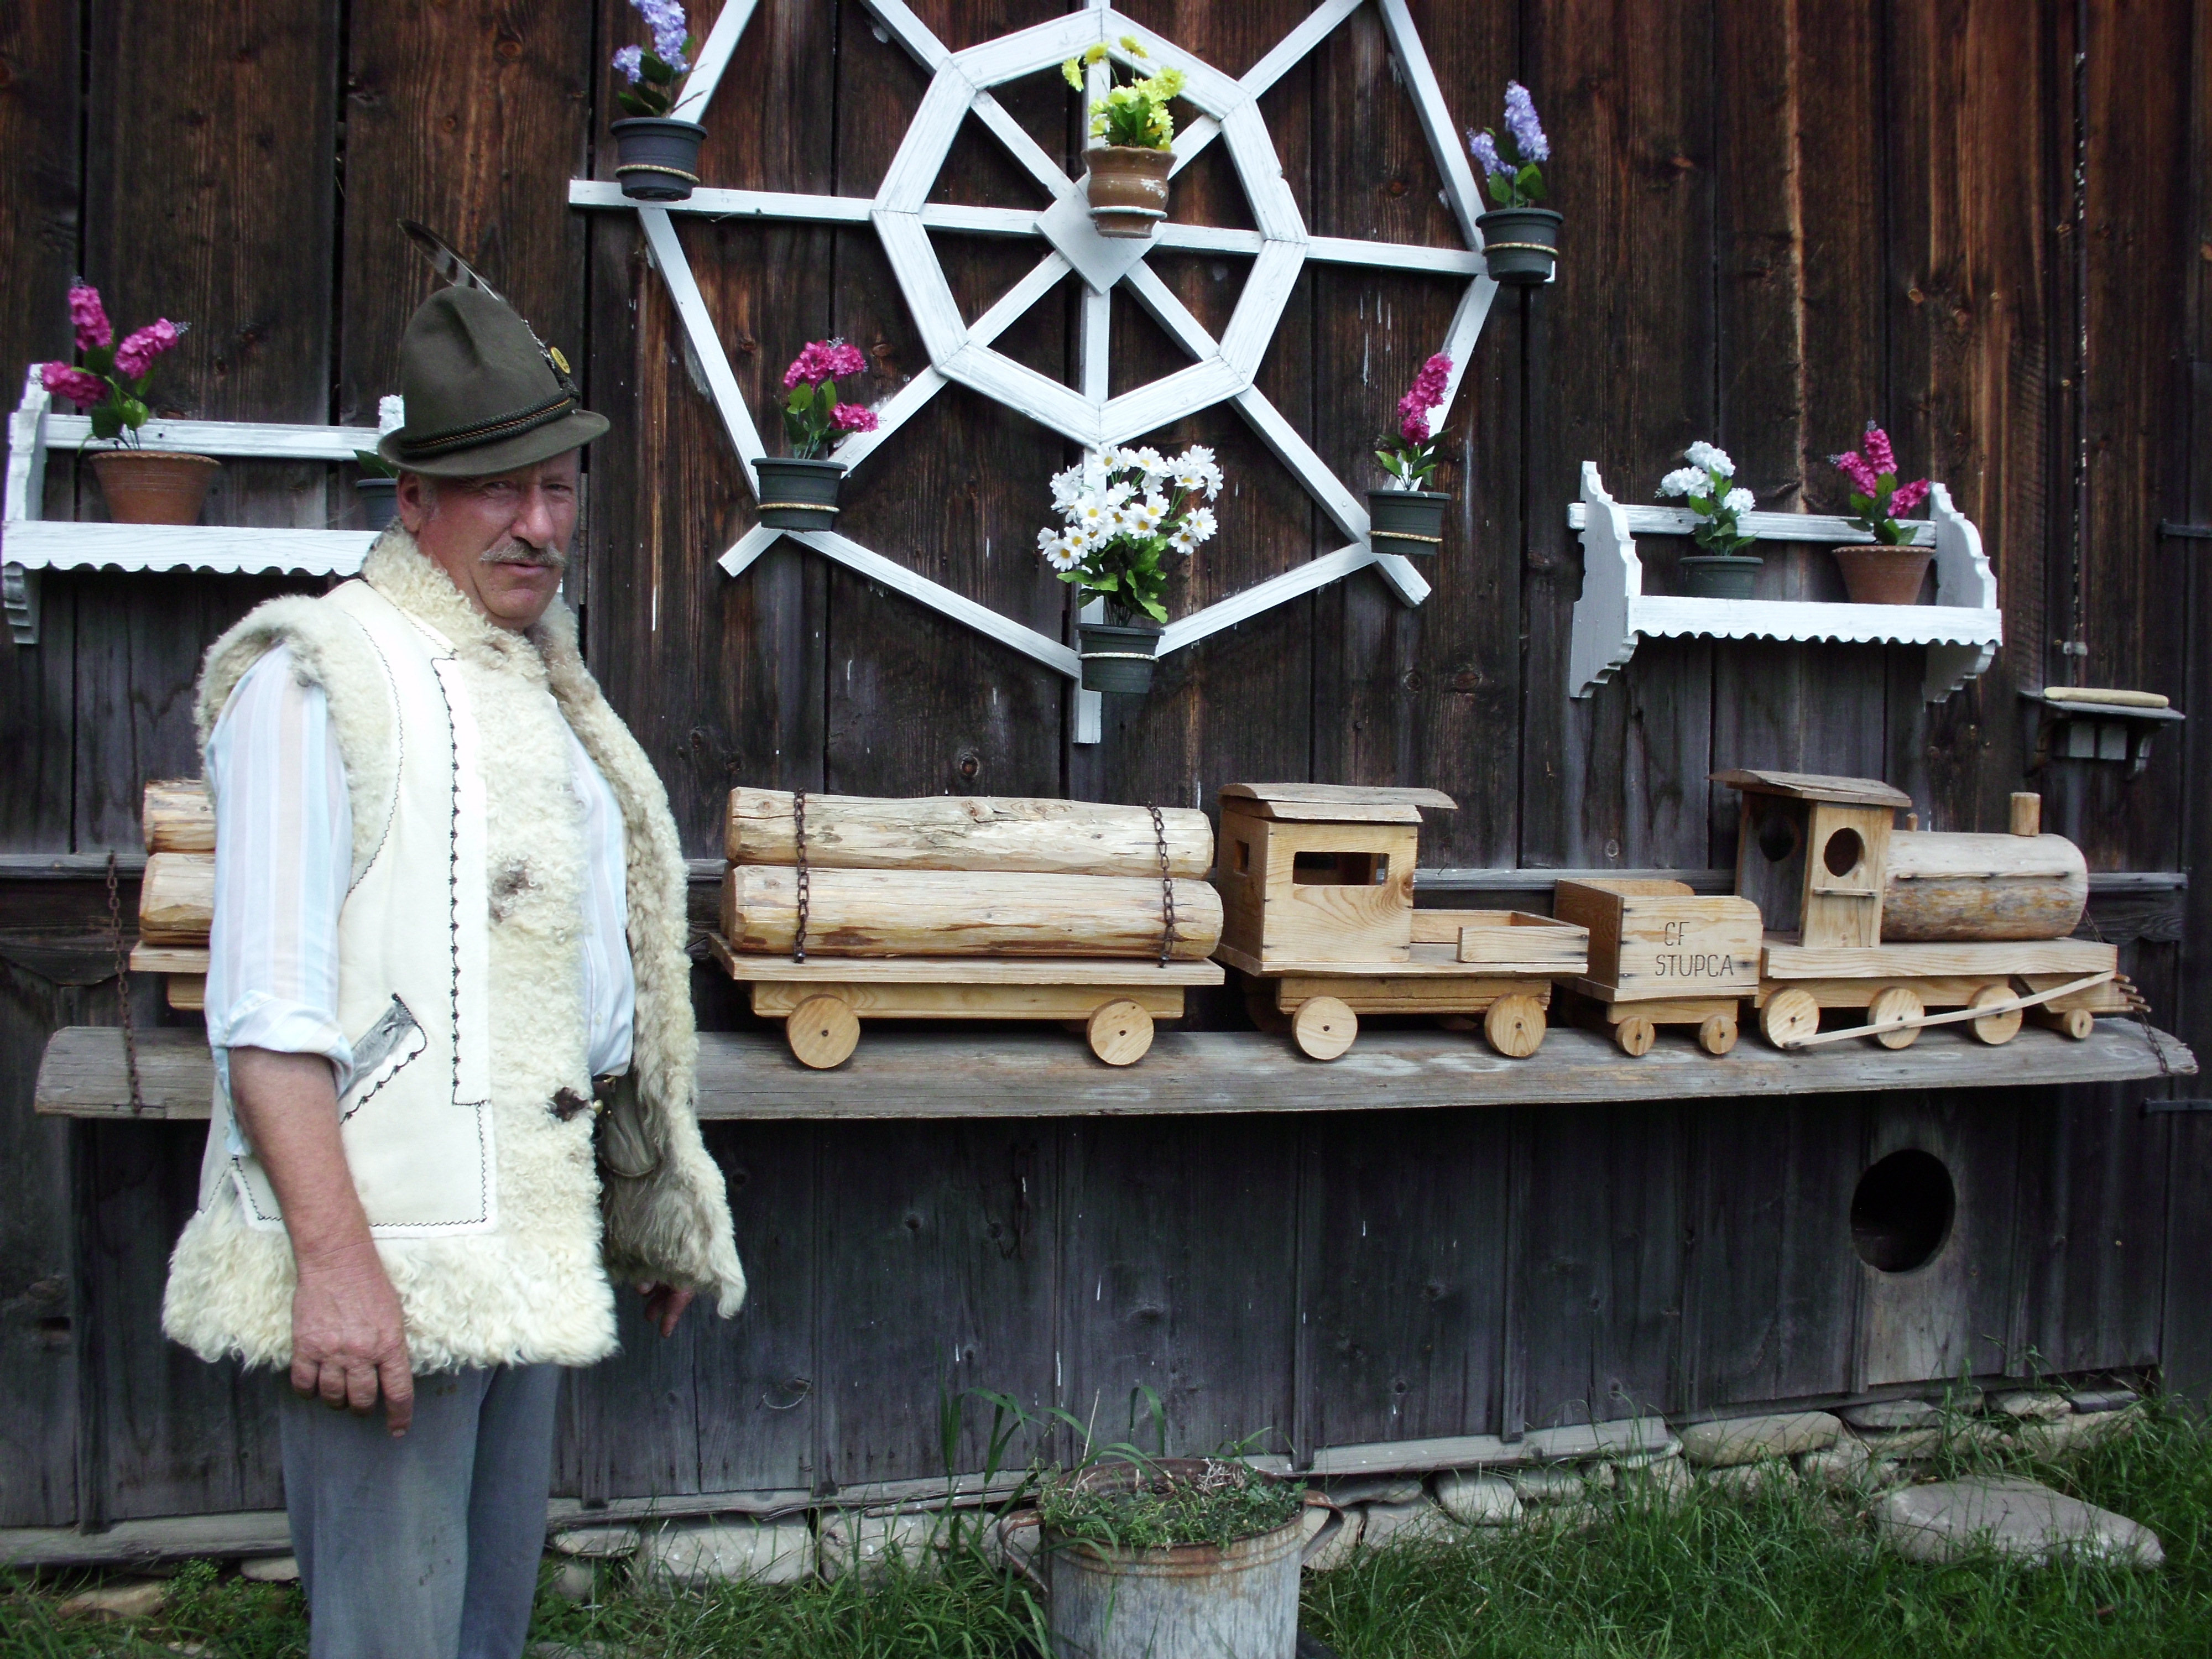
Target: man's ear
{"x":417,"y":497}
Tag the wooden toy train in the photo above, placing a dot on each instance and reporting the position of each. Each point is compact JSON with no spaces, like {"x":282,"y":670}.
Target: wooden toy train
{"x":836,"y":908}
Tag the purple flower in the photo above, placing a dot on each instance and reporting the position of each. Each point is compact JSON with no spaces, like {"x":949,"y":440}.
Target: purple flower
{"x":1908,"y":496}
{"x":1483,"y":149}
{"x":80,"y":388}
{"x":630,"y":60}
{"x":1521,"y":121}
{"x":93,"y":328}
{"x":1853,"y":465}
{"x":665,"y":18}
{"x":136,"y":354}
{"x":1880,"y":456}
{"x":853,"y":417}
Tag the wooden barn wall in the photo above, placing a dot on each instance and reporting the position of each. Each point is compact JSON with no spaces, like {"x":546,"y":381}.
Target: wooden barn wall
{"x":1784,"y":217}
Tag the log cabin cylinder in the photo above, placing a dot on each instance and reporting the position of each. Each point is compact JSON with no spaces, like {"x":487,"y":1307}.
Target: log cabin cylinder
{"x":1942,"y":886}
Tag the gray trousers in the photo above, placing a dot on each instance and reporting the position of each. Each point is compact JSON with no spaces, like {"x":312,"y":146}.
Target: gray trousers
{"x":427,"y":1547}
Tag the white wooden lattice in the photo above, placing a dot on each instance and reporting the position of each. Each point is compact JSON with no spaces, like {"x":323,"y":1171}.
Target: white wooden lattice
{"x":1221,"y":371}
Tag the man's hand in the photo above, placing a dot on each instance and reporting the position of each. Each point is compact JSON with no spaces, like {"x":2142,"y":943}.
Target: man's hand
{"x":348,"y":1339}
{"x":665,"y":1305}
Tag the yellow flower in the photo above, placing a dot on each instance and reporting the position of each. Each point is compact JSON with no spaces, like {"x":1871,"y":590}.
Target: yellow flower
{"x":1122,"y":97}
{"x":1168,"y":83}
{"x":1072,"y":72}
{"x":1130,"y":45}
{"x":1094,"y":55}
{"x":1163,"y":127}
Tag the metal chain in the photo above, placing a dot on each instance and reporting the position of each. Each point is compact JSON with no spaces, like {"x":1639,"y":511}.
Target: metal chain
{"x":123,"y":987}
{"x":2141,"y":1009}
{"x":1166,"y":887}
{"x":798,"y":829}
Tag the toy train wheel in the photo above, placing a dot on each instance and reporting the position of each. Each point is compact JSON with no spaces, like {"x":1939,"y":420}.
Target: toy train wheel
{"x":1121,"y":1032}
{"x":1635,"y":1035}
{"x":1896,"y":1002}
{"x":1716,"y":1035}
{"x":1995,"y":1029}
{"x":2075,"y":1023}
{"x":1789,"y":1018}
{"x":1323,"y":1028}
{"x":1515,"y":1026}
{"x":822,"y":1031}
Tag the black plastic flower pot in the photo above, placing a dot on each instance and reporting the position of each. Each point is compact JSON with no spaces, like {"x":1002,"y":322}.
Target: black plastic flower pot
{"x":657,"y":158}
{"x":1520,"y":244}
{"x":796,"y":494}
{"x":1119,"y":658}
{"x":1719,"y":575}
{"x":1410,"y":521}
{"x":379,"y":500}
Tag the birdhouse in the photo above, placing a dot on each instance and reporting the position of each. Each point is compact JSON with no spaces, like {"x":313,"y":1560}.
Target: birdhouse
{"x":1813,"y":852}
{"x":1319,"y":872}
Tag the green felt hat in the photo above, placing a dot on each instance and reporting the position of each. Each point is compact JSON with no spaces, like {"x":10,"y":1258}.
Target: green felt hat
{"x":482,"y":395}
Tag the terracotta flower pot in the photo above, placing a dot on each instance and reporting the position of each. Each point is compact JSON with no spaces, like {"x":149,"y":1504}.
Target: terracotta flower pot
{"x":1409,"y":521}
{"x":1719,"y":575}
{"x":1119,"y":658}
{"x":796,"y":494}
{"x":1874,"y":574}
{"x":1520,"y":245}
{"x":154,"y":486}
{"x":657,"y":158}
{"x":1129,"y":187}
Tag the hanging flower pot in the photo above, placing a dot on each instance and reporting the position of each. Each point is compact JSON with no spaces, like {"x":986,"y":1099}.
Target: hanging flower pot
{"x":1720,"y":576}
{"x":798,"y":491}
{"x":154,"y":486}
{"x":1883,"y":576}
{"x":657,"y":157}
{"x":1408,"y":521}
{"x":1521,"y":245}
{"x":1520,"y":241}
{"x":1119,"y":657}
{"x":799,"y":495}
{"x":1128,"y":189}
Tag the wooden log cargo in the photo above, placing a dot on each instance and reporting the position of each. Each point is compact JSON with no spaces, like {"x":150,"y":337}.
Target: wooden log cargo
{"x":963,"y":832}
{"x":1964,"y":887}
{"x":955,"y":912}
{"x":176,"y":899}
{"x":178,"y":817}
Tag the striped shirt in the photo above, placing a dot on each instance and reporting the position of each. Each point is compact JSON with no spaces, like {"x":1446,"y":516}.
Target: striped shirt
{"x":283,"y":863}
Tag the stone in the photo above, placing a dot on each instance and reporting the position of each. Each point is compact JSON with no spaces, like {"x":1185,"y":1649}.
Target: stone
{"x":693,"y":1554}
{"x":576,"y":1578}
{"x":2075,"y":1433}
{"x":118,"y":1598}
{"x":1662,"y":1483}
{"x":597,"y":1543}
{"x":1665,"y":1450}
{"x":1883,"y":1472}
{"x":1381,"y":1524}
{"x":1372,"y":1489}
{"x":1841,"y":1467}
{"x":2033,"y":1405}
{"x":867,"y":1543}
{"x":1736,"y":1440}
{"x":1331,"y":1537}
{"x":271,"y":1569}
{"x":1478,"y":1500}
{"x":1553,"y":1486}
{"x":1894,"y":1414}
{"x":2088,"y":1401}
{"x":1745,"y":1481}
{"x":1950,"y":1436}
{"x":2020,"y":1520}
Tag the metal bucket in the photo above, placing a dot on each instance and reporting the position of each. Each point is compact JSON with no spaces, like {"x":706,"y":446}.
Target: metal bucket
{"x":1182,"y":1601}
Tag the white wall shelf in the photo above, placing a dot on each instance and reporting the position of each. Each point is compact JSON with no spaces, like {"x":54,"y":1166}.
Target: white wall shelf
{"x":31,"y":543}
{"x":1961,"y":630}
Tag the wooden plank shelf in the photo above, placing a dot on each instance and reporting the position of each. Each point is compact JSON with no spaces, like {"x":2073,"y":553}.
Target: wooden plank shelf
{"x":1003,"y":1072}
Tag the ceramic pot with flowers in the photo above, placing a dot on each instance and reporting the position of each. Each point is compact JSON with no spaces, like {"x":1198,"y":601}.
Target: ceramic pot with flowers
{"x":108,"y":381}
{"x":798,"y":491}
{"x":1892,"y":568}
{"x":1403,"y":517}
{"x":1722,"y":569}
{"x":1127,"y":181}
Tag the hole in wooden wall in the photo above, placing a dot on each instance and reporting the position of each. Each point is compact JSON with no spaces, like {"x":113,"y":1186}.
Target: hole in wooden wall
{"x":1243,"y":860}
{"x":1842,"y":852}
{"x":1339,"y":869}
{"x":1778,"y":833}
{"x":1902,"y":1210}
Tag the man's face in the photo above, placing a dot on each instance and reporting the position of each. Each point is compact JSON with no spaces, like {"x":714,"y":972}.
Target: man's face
{"x":503,"y":538}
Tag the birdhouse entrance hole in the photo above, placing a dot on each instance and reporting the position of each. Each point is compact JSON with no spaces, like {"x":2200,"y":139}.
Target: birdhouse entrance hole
{"x":1777,"y":833}
{"x":1902,"y":1210}
{"x":1339,"y":869}
{"x":1842,"y":852}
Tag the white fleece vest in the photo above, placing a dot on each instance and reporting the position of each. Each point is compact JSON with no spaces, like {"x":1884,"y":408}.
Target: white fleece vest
{"x":460,"y":986}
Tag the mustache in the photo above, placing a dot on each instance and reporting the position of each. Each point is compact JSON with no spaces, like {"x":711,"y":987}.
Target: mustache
{"x":514,"y":551}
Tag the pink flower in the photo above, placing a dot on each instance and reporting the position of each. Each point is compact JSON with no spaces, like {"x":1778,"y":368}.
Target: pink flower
{"x":1853,"y":465}
{"x":845,"y":360}
{"x":1880,"y":456}
{"x":1413,"y":424}
{"x":1908,"y":496}
{"x":80,"y":388}
{"x":824,"y":360}
{"x":137,"y":353}
{"x":853,"y":417}
{"x":93,"y":328}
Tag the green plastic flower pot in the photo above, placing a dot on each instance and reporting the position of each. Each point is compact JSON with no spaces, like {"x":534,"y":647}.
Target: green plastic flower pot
{"x":1409,"y":521}
{"x":1118,"y":657}
{"x":1719,"y":575}
{"x":796,"y":494}
{"x":1520,"y":244}
{"x":657,"y":158}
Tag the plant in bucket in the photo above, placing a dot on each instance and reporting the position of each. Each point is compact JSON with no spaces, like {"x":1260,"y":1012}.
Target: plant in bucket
{"x":1128,"y":181}
{"x":1124,"y":513}
{"x":108,"y":381}
{"x":1890,"y":571}
{"x":1520,"y":241}
{"x":1404,"y":517}
{"x":1724,"y":571}
{"x":798,"y":491}
{"x":657,"y":156}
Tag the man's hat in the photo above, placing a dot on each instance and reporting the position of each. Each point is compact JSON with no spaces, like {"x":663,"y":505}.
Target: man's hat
{"x":483,"y":396}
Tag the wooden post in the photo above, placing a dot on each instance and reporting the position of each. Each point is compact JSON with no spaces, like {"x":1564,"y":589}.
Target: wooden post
{"x":2027,"y":813}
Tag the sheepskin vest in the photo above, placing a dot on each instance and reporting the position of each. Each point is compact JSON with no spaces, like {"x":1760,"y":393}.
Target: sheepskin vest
{"x":460,"y":986}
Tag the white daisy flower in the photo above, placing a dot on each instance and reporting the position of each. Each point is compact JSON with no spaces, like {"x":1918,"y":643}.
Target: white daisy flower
{"x":1116,"y":494}
{"x":1739,"y":501}
{"x":1182,"y":541}
{"x":1199,"y":521}
{"x":1066,"y":487}
{"x":1154,"y":464}
{"x":1092,"y":516}
{"x":1685,"y":481}
{"x":1061,"y":556}
{"x":1710,"y":457}
{"x":1144,"y":518}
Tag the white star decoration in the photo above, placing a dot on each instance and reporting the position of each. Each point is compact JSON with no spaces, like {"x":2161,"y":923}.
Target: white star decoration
{"x":1223,"y":371}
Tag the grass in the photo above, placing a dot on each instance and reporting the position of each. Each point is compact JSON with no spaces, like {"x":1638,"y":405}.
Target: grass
{"x":1132,"y":1505}
{"x":1786,"y":1576}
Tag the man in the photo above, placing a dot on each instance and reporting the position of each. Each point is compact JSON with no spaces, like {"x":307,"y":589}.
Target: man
{"x":450,"y":1008}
